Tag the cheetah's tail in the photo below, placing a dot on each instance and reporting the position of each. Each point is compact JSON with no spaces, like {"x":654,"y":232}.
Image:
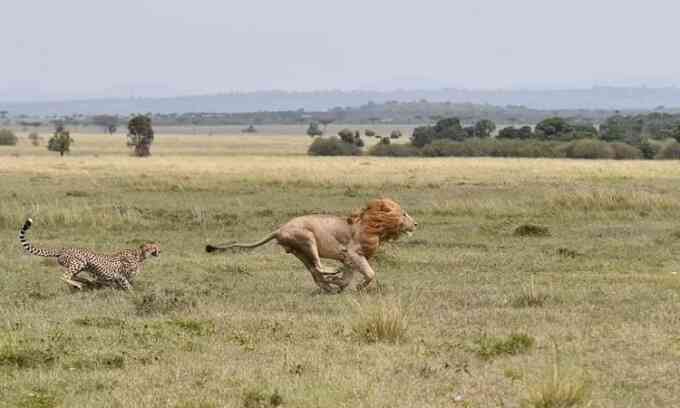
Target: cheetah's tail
{"x":30,"y":248}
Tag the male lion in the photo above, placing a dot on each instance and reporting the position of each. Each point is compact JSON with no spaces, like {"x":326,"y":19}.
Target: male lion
{"x":351,"y":240}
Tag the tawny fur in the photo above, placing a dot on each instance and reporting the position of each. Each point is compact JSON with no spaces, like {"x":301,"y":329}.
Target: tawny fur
{"x":351,"y":240}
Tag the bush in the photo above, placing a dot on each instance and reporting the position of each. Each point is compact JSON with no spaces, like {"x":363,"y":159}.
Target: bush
{"x":140,"y":135}
{"x":510,"y":132}
{"x":447,"y":129}
{"x":346,"y":135}
{"x":314,"y":130}
{"x":369,"y":133}
{"x":553,"y":128}
{"x":7,"y":138}
{"x":589,"y":149}
{"x":333,"y":147}
{"x":395,"y":134}
{"x":394,"y":150}
{"x":484,"y":128}
{"x":350,"y":137}
{"x":444,"y":148}
{"x":649,"y":148}
{"x":669,"y":151}
{"x":386,"y":320}
{"x":492,"y":148}
{"x":61,"y":141}
{"x":624,"y":151}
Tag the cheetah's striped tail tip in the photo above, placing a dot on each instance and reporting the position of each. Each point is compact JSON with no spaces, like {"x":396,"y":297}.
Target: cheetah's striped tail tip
{"x":210,"y":248}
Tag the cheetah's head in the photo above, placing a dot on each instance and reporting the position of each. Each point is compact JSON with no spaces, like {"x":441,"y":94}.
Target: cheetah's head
{"x":151,"y":249}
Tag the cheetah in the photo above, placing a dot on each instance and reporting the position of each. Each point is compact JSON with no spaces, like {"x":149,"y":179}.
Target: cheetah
{"x":109,"y":270}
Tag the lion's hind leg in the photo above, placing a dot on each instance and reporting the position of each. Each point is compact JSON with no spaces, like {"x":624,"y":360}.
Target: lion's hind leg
{"x":318,"y":277}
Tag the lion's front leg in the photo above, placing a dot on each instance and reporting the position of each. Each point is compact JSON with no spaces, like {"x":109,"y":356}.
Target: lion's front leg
{"x":359,"y":262}
{"x":343,"y":277}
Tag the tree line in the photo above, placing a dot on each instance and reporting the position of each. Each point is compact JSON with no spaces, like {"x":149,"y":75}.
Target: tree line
{"x":644,"y":136}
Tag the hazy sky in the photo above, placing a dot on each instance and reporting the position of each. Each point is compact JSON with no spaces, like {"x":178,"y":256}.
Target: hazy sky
{"x":78,"y":48}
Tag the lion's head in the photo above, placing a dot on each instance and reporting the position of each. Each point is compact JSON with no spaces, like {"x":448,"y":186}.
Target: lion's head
{"x":382,"y":219}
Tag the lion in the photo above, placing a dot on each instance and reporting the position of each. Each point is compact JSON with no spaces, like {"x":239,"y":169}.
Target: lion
{"x":351,"y":240}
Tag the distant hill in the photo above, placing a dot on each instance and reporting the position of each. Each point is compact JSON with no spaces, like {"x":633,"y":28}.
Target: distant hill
{"x":606,"y":98}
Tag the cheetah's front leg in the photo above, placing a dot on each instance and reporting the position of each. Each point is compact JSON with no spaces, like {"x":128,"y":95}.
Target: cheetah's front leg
{"x":74,"y":268}
{"x":123,"y":283}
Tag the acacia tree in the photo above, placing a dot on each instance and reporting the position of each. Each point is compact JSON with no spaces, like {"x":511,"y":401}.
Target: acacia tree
{"x":313,"y":130}
{"x":108,"y":122}
{"x":60,"y":141}
{"x":140,"y":135}
{"x":484,"y":128}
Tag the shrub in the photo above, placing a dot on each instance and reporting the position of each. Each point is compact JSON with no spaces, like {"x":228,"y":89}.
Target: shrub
{"x":395,"y":134}
{"x":140,"y":135}
{"x":589,"y":149}
{"x":448,"y":129}
{"x":510,"y":132}
{"x":369,"y":133}
{"x":7,"y":138}
{"x":333,"y":147}
{"x":444,"y":148}
{"x":61,"y":141}
{"x":558,"y":388}
{"x":394,"y":150}
{"x":553,"y":128}
{"x":649,"y":148}
{"x":484,"y":128}
{"x":624,"y":151}
{"x":669,"y":151}
{"x":492,"y":148}
{"x":346,"y":135}
{"x":314,"y":130}
{"x":384,"y":321}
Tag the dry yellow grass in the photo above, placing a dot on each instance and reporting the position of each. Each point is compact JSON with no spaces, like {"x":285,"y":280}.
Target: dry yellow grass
{"x":226,"y":331}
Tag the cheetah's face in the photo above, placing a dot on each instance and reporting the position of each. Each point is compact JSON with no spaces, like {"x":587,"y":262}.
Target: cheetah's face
{"x":151,"y":249}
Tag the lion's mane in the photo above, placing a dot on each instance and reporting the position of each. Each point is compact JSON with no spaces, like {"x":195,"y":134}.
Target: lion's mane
{"x":380,"y":220}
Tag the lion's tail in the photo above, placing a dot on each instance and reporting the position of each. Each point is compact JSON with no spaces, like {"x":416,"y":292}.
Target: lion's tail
{"x":229,"y":245}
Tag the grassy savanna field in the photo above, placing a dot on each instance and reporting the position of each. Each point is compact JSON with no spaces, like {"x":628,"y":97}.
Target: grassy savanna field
{"x":585,"y":312}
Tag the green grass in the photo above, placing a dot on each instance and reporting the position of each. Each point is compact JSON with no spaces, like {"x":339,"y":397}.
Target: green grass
{"x":203,"y":330}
